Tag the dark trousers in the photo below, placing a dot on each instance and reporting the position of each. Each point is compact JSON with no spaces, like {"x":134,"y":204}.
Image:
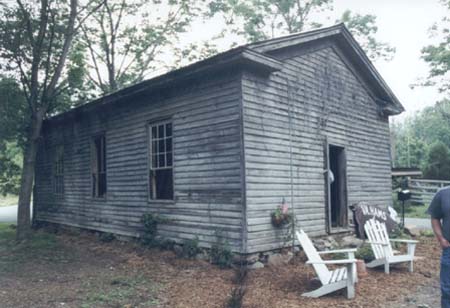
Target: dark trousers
{"x":445,"y":278}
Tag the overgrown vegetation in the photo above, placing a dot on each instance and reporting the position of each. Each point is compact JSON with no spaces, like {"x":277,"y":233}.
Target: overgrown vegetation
{"x":423,"y":141}
{"x":220,"y":252}
{"x":190,"y":248}
{"x":106,"y":237}
{"x":239,"y":290}
{"x":40,"y":247}
{"x":365,"y":253}
{"x":150,"y":236}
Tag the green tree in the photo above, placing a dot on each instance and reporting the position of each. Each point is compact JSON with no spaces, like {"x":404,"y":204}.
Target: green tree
{"x":438,"y":162}
{"x":413,"y":136}
{"x":13,"y":113}
{"x":257,"y":20}
{"x":35,"y":43}
{"x":125,"y":40}
{"x":438,"y":55}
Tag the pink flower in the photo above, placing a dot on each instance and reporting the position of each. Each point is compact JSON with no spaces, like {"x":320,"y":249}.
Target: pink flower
{"x":284,"y":208}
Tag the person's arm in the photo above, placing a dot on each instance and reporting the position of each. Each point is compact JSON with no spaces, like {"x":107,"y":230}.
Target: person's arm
{"x":437,"y":229}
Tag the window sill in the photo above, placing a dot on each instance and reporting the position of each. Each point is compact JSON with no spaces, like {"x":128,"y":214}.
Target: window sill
{"x":151,"y":201}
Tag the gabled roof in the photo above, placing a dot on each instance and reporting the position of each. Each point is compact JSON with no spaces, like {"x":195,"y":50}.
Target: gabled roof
{"x":256,"y":56}
{"x":342,"y":36}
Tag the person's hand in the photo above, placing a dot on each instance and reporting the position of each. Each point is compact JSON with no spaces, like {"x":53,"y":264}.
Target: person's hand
{"x":444,"y":243}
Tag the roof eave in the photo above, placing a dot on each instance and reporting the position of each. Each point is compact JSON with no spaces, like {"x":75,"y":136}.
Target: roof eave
{"x":342,"y":34}
{"x":238,"y":58}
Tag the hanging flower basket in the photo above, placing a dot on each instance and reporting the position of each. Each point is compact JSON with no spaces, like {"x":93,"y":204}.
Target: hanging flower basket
{"x":280,"y":216}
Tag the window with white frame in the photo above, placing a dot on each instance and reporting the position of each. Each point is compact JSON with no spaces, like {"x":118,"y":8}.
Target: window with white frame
{"x":161,"y":161}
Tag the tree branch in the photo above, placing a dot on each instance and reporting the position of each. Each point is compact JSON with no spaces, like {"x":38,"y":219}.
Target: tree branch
{"x":69,"y":33}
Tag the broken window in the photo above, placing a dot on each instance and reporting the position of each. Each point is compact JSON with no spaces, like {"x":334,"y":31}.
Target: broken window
{"x":98,"y":166}
{"x":58,"y":171}
{"x":161,"y":164}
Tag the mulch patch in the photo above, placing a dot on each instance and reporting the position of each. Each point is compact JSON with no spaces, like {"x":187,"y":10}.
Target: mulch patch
{"x":196,"y":283}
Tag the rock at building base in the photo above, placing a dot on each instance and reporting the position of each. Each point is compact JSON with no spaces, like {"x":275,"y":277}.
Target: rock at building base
{"x":255,"y":265}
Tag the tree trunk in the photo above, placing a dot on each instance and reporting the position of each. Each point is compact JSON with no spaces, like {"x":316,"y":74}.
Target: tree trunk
{"x":26,"y":183}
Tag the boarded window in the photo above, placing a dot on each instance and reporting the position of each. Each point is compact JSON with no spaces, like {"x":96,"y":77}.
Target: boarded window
{"x":98,"y":166}
{"x":58,"y":171}
{"x":161,"y":164}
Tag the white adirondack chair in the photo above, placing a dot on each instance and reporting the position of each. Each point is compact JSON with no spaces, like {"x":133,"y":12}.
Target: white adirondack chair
{"x":381,"y":245}
{"x":340,"y":278}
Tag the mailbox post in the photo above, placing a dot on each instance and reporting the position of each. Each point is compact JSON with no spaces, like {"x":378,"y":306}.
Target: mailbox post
{"x":403,"y":195}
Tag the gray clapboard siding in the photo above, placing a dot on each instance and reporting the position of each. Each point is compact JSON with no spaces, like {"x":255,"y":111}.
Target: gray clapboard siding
{"x":323,"y":97}
{"x":243,"y":140}
{"x":207,"y":175}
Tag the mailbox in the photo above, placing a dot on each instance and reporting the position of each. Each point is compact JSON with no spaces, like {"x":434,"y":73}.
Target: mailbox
{"x":404,"y":195}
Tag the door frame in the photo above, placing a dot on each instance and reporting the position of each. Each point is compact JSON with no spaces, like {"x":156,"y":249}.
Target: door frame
{"x":343,"y":185}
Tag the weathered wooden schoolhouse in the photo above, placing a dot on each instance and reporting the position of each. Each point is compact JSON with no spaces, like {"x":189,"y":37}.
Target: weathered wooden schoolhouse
{"x":221,"y":143}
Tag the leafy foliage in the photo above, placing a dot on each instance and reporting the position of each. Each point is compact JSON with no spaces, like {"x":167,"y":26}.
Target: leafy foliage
{"x":257,"y":20}
{"x":364,"y":29}
{"x":221,"y":253}
{"x":125,"y":39}
{"x":438,"y":55}
{"x":106,"y":237}
{"x":13,"y":114}
{"x":149,"y":237}
{"x":438,"y":162}
{"x":415,"y":139}
{"x":365,"y":253}
{"x":190,"y":248}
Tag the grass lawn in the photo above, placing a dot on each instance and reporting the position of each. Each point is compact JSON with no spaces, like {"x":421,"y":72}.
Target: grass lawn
{"x":8,"y":200}
{"x":56,"y":273}
{"x":416,"y":211}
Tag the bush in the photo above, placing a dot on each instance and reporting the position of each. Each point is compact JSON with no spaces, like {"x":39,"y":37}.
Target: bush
{"x":167,"y":244}
{"x":220,"y":253}
{"x":149,"y":238}
{"x":438,"y":162}
{"x":190,"y":248}
{"x":365,"y":253}
{"x":106,"y":237}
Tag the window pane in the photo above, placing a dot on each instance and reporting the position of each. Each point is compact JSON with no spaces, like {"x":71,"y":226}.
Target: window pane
{"x":154,"y":134}
{"x":154,"y":147}
{"x":169,"y":159}
{"x":164,"y":184}
{"x":160,"y":145}
{"x":103,"y":155}
{"x":160,"y":131}
{"x":99,"y":167}
{"x":161,"y":161}
{"x":169,"y":130}
{"x":154,"y":161}
{"x":102,"y":185}
{"x":168,"y":144}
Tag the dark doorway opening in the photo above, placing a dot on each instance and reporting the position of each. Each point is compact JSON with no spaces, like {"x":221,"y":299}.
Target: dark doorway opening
{"x":337,"y":187}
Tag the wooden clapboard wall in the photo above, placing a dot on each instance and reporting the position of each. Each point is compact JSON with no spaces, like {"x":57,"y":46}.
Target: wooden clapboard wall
{"x":317,"y":96}
{"x":207,"y":123}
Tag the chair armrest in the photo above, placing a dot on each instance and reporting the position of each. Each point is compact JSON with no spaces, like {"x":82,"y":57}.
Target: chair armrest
{"x":337,"y":251}
{"x":404,"y":241}
{"x":378,"y":243}
{"x":347,"y":261}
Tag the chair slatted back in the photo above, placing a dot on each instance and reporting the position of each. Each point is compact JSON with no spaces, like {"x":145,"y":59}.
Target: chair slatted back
{"x":312,"y":254}
{"x":377,"y":233}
